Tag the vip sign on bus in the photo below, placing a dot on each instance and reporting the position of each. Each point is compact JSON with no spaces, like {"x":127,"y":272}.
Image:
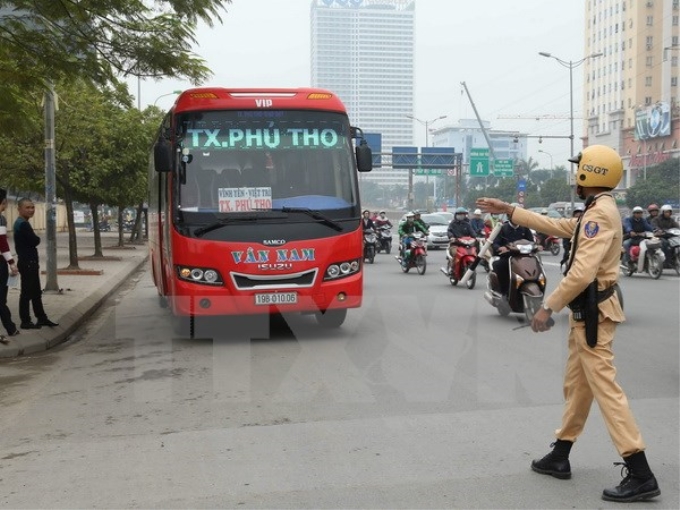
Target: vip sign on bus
{"x":244,"y":199}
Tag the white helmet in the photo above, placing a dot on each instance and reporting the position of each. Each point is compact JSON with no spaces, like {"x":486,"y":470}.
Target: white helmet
{"x":666,"y":207}
{"x":477,"y":211}
{"x":637,"y":208}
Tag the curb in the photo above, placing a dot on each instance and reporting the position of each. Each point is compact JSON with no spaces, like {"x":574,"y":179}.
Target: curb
{"x":46,"y":338}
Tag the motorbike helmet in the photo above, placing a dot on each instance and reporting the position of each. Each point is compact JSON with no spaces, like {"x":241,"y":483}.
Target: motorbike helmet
{"x":665,"y":208}
{"x":382,"y":212}
{"x":461,"y":210}
{"x":410,"y":214}
{"x":599,"y":166}
{"x":637,"y":208}
{"x":652,"y":207}
{"x":477,"y":211}
{"x":577,"y":209}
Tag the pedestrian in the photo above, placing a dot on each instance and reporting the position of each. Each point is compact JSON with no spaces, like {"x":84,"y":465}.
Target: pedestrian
{"x":589,"y":289}
{"x":6,"y":269}
{"x":26,"y":242}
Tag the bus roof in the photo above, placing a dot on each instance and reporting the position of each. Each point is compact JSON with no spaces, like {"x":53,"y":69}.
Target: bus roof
{"x":219,"y":98}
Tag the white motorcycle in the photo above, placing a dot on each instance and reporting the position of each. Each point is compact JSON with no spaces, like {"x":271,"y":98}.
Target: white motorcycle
{"x":646,"y":257}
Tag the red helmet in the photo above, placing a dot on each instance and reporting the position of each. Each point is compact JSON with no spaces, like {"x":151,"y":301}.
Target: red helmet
{"x":652,"y":207}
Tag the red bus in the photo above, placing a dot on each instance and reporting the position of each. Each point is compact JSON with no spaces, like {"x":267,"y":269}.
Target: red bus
{"x":254,"y":205}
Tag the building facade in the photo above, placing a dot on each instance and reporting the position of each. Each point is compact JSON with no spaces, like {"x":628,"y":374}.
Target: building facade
{"x":363,"y":50}
{"x":631,"y":91}
{"x":468,"y":135}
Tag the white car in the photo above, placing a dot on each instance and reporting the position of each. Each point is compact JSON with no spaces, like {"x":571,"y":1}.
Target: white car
{"x":439,"y":225}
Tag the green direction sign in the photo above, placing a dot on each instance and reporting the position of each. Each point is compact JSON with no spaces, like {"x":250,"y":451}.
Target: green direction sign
{"x":503,"y":168}
{"x":479,"y":162}
{"x":428,"y":171}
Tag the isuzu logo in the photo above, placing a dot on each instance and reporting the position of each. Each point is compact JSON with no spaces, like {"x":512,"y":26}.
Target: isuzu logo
{"x":274,"y":242}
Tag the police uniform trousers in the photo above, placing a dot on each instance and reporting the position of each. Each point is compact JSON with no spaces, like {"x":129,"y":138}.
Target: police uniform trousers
{"x":590,"y":374}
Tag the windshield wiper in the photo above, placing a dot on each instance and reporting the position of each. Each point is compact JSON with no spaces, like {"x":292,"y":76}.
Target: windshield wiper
{"x":314,"y":214}
{"x":200,"y":232}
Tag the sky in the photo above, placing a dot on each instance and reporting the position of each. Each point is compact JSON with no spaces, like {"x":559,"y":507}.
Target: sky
{"x":491,"y":45}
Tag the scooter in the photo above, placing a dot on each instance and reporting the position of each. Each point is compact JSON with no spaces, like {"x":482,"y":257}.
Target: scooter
{"x":547,"y":242}
{"x":416,"y":255}
{"x":646,"y":257}
{"x":527,"y":282}
{"x":384,"y":239}
{"x":370,"y":243}
{"x":464,"y":254}
{"x":672,"y":237}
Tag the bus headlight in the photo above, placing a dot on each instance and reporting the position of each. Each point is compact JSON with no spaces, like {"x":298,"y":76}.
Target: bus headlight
{"x":342,"y":269}
{"x":204,"y":275}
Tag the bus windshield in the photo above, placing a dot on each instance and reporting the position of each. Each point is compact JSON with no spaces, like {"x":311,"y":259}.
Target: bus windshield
{"x":266,"y":160}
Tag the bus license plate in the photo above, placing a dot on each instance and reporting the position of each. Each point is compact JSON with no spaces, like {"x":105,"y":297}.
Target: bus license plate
{"x":276,"y":298}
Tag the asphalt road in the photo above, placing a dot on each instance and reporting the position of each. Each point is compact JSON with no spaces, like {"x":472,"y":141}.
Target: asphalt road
{"x":425,"y":398}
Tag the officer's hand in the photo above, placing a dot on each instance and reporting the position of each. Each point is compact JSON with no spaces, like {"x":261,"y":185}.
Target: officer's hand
{"x":493,"y":205}
{"x":539,"y":323}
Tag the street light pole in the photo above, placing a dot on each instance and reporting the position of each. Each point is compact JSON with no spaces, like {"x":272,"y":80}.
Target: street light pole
{"x":552,"y":166}
{"x":168,"y":94}
{"x":570,"y":65}
{"x":425,"y":123}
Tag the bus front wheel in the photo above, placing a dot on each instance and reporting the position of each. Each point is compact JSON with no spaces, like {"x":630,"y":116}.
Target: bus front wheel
{"x":184,"y":326}
{"x":331,"y":319}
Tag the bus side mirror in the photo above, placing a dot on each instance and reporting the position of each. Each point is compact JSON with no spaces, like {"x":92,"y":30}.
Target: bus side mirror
{"x":364,"y":157}
{"x":162,"y":156}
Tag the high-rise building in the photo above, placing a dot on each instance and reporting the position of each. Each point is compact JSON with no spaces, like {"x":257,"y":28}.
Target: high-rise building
{"x":631,"y":91}
{"x":363,"y":50}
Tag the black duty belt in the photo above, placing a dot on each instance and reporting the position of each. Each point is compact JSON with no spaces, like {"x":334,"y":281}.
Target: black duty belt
{"x":577,"y":305}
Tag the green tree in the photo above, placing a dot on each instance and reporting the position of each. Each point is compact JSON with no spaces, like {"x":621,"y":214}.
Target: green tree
{"x":101,"y":41}
{"x":555,"y":190}
{"x":661,"y":186}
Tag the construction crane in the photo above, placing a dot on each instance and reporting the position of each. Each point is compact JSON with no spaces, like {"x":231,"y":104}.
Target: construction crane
{"x":552,"y":116}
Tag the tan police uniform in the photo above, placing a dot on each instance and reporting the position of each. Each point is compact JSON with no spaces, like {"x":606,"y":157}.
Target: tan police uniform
{"x":590,"y":372}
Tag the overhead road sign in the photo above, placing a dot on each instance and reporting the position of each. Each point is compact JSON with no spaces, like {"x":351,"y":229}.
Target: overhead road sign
{"x":479,"y":162}
{"x":503,"y":168}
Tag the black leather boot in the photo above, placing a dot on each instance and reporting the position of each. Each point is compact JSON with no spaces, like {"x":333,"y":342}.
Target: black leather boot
{"x":639,"y":483}
{"x":556,"y":463}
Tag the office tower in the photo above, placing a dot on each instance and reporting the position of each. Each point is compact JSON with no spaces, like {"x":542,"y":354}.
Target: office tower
{"x":363,"y":50}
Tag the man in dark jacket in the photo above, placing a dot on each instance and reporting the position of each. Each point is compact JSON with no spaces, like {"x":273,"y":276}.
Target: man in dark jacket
{"x":634,"y":228}
{"x":26,"y":243}
{"x":510,"y":232}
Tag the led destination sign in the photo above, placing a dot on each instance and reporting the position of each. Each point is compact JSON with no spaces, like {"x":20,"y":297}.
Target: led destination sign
{"x":271,"y":138}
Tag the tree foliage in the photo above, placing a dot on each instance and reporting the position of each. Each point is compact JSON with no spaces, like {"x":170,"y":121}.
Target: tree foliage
{"x":98,"y":41}
{"x":661,"y":186}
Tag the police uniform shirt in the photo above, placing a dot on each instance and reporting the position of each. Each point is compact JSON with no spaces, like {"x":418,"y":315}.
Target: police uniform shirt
{"x":598,"y":250}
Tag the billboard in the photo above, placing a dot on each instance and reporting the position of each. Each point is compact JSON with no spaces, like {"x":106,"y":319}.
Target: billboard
{"x":653,"y":121}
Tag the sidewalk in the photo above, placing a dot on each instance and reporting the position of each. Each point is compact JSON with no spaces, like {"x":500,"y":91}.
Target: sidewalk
{"x":80,"y":294}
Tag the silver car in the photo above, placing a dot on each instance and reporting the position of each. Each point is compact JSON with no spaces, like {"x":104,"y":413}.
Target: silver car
{"x":439,"y":225}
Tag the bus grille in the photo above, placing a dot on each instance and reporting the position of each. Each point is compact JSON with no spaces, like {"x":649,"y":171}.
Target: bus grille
{"x":253,"y":281}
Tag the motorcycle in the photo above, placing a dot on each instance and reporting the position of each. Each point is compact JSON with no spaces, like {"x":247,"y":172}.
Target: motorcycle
{"x":646,"y":257}
{"x":672,"y":237}
{"x":465,"y":253}
{"x":527,"y":282}
{"x":384,"y":239}
{"x":548,"y":243}
{"x":416,"y":255}
{"x":370,"y":243}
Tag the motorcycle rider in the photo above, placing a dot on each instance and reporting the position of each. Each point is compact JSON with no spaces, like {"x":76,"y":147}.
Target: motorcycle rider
{"x":406,"y":229}
{"x":366,"y":221}
{"x":510,"y":232}
{"x":634,"y":228}
{"x":459,"y":227}
{"x":652,"y":213}
{"x":589,"y":288}
{"x":422,"y":223}
{"x":665,"y":221}
{"x":566,"y":243}
{"x":382,"y":220}
{"x":477,"y":223}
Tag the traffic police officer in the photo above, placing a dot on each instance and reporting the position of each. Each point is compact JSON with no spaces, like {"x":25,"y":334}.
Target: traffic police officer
{"x":592,"y":273}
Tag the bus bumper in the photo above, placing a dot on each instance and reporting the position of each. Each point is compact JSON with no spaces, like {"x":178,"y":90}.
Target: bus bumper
{"x":200,"y":300}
